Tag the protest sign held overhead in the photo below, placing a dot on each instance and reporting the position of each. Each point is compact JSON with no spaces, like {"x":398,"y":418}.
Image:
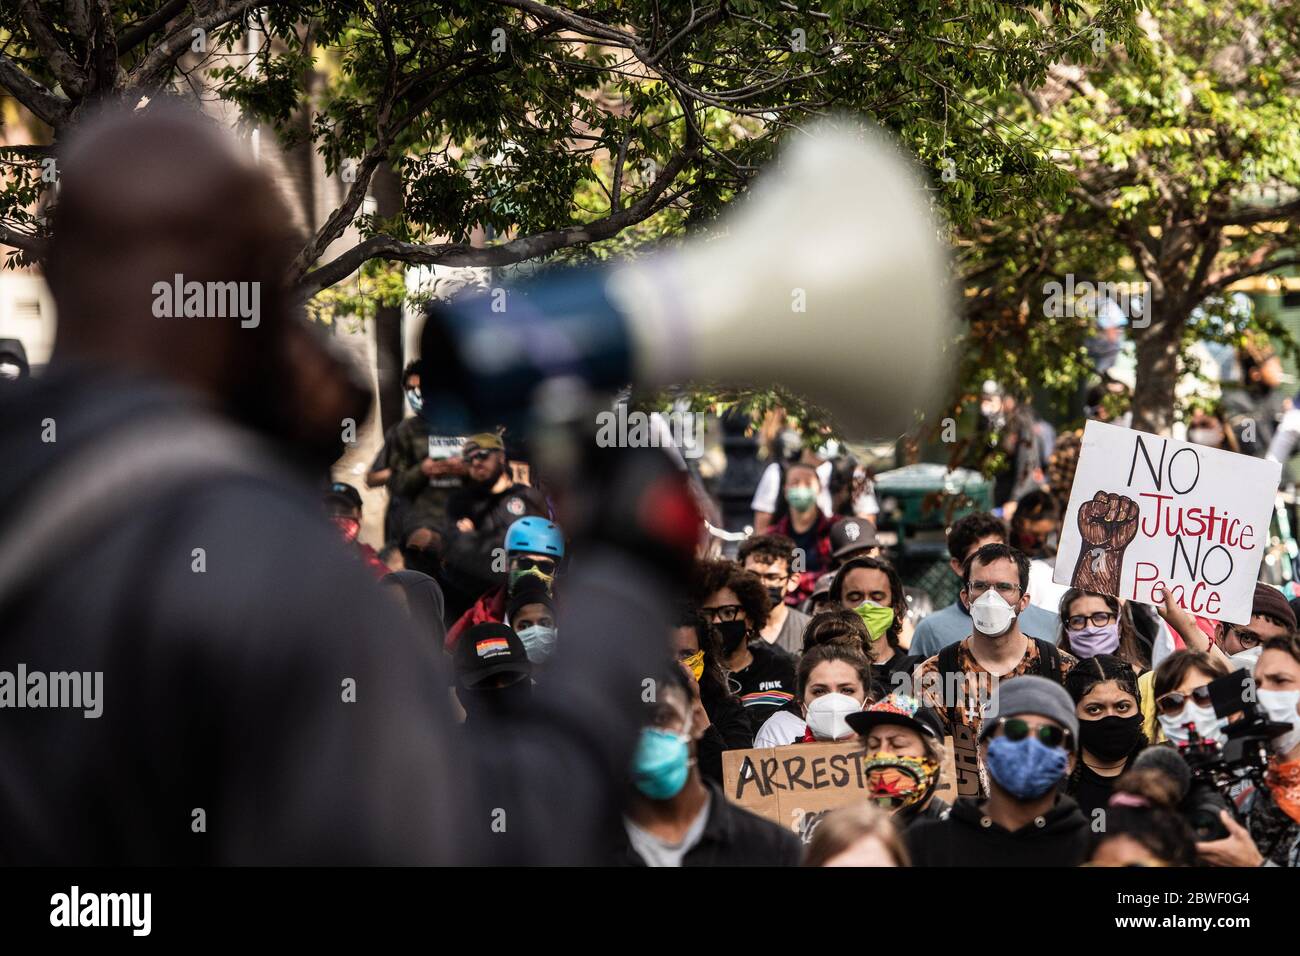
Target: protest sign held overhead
{"x":1148,"y":513}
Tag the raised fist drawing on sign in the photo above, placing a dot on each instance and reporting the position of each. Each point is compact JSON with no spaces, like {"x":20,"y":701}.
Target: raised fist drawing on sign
{"x":1107,"y":524}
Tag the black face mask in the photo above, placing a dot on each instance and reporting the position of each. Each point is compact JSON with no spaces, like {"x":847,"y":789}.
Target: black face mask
{"x":732,"y":634}
{"x":776,"y":595}
{"x":496,"y":702}
{"x":1111,"y":737}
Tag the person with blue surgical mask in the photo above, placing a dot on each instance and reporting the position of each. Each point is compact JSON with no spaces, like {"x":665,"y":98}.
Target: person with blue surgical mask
{"x":1028,"y":743}
{"x":676,"y":818}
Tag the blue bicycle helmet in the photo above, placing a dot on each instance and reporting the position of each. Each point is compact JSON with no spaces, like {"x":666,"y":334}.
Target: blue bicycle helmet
{"x":535,"y":536}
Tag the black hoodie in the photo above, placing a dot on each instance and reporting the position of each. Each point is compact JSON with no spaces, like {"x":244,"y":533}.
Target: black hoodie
{"x":970,"y":838}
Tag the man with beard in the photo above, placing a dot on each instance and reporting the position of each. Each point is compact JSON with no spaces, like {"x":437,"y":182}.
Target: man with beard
{"x":479,"y":515}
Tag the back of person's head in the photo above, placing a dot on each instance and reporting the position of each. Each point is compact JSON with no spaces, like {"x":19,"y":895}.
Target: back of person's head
{"x":147,"y":195}
{"x":840,"y":831}
{"x":1143,"y":809}
{"x":975,"y":526}
{"x":836,"y":626}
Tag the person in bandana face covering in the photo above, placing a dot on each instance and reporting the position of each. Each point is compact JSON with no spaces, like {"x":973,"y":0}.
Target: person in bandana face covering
{"x":343,"y":507}
{"x":1271,"y":836}
{"x":535,"y":549}
{"x":905,"y":744}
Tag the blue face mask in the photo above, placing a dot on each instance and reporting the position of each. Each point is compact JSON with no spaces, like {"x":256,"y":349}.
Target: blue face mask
{"x":1025,"y":768}
{"x":415,"y":399}
{"x":662,"y":763}
{"x":539,"y":642}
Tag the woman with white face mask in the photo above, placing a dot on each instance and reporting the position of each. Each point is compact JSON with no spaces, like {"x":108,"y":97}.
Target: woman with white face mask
{"x":1182,"y":697}
{"x":832,"y":681}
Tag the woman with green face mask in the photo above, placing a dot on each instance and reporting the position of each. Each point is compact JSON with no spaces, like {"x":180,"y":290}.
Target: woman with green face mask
{"x":872,"y":589}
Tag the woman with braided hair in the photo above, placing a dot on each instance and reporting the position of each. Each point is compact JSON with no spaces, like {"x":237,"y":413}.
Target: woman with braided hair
{"x":1108,"y":704}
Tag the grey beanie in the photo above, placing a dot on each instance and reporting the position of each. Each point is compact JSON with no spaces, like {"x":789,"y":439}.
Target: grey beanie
{"x":1031,"y":695}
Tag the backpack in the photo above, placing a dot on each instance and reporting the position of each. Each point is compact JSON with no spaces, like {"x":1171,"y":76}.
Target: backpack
{"x":964,"y":743}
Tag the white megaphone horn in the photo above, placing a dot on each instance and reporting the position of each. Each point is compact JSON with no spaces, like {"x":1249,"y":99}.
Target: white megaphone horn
{"x":831,"y":280}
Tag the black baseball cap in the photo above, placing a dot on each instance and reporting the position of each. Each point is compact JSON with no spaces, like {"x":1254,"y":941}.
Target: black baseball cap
{"x":488,"y":649}
{"x":899,"y":709}
{"x":343,"y":492}
{"x":850,"y":535}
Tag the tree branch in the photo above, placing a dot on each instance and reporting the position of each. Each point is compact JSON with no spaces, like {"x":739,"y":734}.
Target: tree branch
{"x":58,"y":59}
{"x":34,"y":246}
{"x":154,"y":67}
{"x":133,"y":37}
{"x":47,"y":107}
{"x":516,"y":250}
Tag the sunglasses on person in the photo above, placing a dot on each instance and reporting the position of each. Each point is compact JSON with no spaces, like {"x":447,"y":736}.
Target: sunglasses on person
{"x":1013,"y":728}
{"x":1173,"y":702}
{"x":475,"y":457}
{"x":1077,"y":622}
{"x":543,"y":565}
{"x":723,"y":614}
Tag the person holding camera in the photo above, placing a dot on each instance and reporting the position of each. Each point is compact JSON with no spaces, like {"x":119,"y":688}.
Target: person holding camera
{"x":1273,"y":811}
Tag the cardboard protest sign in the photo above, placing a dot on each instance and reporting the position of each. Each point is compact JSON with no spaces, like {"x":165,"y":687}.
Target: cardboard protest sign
{"x":1148,"y":513}
{"x":795,"y":785}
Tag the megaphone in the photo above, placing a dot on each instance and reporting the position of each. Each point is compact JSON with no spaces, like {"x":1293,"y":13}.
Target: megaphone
{"x":831,"y":279}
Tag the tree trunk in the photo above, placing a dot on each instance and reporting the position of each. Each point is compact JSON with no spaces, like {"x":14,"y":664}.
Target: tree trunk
{"x":1157,"y":368}
{"x":386,"y":187}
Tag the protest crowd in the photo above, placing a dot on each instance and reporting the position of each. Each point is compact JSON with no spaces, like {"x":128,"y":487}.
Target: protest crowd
{"x":561,"y":663}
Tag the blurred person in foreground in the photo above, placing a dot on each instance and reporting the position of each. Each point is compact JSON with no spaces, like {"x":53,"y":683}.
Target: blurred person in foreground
{"x":860,"y":835}
{"x":272,"y":686}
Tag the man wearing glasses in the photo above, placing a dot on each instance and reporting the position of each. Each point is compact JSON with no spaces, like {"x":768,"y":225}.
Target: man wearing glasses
{"x":1029,"y":744}
{"x":772,"y":558}
{"x":963,"y":677}
{"x":1270,"y":616}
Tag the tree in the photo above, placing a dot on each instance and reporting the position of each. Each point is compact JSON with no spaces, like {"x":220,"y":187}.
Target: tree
{"x":1183,"y":157}
{"x":555,"y":128}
